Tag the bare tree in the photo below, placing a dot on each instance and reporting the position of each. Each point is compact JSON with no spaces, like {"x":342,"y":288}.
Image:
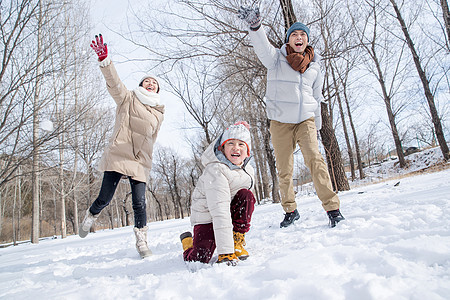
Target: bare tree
{"x":446,"y":17}
{"x":371,"y":38}
{"x":332,"y":48}
{"x":35,"y":168}
{"x":288,"y":14}
{"x":196,"y":88}
{"x":344,"y":126}
{"x":151,"y":187}
{"x":352,"y":125}
{"x":37,"y":80}
{"x":425,"y":82}
{"x":168,"y":166}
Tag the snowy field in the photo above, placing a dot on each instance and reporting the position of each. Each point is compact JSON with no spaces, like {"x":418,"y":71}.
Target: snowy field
{"x":394,"y":244}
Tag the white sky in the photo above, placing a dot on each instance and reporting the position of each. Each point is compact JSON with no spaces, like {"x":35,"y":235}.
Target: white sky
{"x":108,"y":16}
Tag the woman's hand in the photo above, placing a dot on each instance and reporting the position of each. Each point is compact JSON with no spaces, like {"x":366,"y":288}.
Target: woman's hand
{"x":99,"y":47}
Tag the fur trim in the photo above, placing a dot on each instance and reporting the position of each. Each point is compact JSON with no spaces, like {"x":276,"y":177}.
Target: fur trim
{"x":104,"y":63}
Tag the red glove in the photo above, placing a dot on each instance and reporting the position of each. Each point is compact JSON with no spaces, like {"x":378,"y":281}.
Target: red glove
{"x":99,"y":47}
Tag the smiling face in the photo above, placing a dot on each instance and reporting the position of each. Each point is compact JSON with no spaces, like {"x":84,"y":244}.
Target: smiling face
{"x":298,"y":40}
{"x":235,"y":151}
{"x":150,"y":84}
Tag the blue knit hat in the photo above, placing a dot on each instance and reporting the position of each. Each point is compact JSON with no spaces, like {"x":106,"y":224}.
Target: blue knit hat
{"x":297,"y":26}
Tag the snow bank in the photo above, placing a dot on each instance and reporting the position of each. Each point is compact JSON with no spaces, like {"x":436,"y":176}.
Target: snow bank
{"x":394,"y":244}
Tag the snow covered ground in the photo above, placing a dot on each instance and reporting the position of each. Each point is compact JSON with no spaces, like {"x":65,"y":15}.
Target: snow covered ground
{"x":394,"y":244}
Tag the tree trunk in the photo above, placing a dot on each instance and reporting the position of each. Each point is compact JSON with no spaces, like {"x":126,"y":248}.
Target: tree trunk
{"x":272,"y":167}
{"x":1,"y":210}
{"x":288,"y":14}
{"x":176,"y":189}
{"x":257,"y":184}
{"x":111,"y":215}
{"x":14,"y":214}
{"x":117,"y":212}
{"x":264,"y":173}
{"x":35,"y":165}
{"x":446,"y":16}
{"x":126,"y":222}
{"x":344,"y":126}
{"x":390,"y":113}
{"x":426,"y":85}
{"x":261,"y":178}
{"x":333,"y":153}
{"x":75,"y":163}
{"x":159,"y":205}
{"x":355,"y":138}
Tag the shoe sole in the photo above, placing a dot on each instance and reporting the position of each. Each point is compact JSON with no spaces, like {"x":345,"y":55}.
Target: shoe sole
{"x":334,"y":223}
{"x":82,"y":233}
{"x":145,"y":255}
{"x":243,"y":257}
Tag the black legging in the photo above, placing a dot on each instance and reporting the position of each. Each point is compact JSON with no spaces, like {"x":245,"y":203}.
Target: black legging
{"x":109,"y":185}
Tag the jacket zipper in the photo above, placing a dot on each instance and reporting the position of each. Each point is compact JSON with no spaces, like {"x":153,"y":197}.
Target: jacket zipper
{"x":251,"y":179}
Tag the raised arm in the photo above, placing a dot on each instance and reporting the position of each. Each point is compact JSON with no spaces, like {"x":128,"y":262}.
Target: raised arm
{"x":113,"y":83}
{"x":267,"y":54}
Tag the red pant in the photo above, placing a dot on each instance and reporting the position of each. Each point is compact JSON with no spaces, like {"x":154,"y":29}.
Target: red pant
{"x":241,"y":208}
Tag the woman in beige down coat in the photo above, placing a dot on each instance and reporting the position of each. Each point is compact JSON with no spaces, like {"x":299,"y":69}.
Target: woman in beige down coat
{"x":222,"y":201}
{"x":129,"y":153}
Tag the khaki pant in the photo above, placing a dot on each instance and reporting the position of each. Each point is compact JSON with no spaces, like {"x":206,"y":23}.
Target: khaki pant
{"x":285,"y":136}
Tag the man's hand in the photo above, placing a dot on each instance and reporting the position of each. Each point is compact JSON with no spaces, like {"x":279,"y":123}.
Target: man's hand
{"x":251,"y":16}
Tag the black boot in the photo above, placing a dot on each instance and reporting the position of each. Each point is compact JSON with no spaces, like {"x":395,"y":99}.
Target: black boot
{"x":335,"y":217}
{"x":289,"y":218}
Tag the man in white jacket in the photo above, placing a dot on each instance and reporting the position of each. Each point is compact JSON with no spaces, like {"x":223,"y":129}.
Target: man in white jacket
{"x":293,"y":96}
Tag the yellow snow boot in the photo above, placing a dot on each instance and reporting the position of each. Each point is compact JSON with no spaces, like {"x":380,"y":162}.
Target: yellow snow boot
{"x":228,"y":259}
{"x":186,"y":240}
{"x":239,"y":243}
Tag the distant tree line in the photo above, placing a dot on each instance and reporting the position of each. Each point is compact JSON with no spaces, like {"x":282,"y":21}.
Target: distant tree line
{"x":386,"y":66}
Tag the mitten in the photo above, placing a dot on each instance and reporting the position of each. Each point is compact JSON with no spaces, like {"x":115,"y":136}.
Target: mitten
{"x":99,"y":47}
{"x":251,"y":16}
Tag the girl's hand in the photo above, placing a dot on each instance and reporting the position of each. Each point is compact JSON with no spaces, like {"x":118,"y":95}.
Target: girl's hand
{"x":99,"y":47}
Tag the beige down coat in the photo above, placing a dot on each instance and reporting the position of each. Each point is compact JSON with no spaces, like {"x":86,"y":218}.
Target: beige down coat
{"x":216,"y":187}
{"x":130,"y":148}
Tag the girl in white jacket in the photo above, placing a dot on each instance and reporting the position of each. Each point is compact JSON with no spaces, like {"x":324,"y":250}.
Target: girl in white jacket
{"x":222,"y":202}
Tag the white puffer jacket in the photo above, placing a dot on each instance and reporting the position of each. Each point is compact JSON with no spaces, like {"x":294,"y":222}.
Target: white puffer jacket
{"x":216,"y":187}
{"x":291,"y":97}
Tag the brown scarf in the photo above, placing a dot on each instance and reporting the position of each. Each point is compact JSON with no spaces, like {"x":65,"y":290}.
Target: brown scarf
{"x":299,"y":62}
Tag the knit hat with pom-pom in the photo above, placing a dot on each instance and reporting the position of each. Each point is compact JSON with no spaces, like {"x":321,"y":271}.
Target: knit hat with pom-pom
{"x":238,"y":131}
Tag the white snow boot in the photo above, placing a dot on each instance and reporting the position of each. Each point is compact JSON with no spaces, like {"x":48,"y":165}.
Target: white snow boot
{"x":87,"y":223}
{"x":141,"y":242}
